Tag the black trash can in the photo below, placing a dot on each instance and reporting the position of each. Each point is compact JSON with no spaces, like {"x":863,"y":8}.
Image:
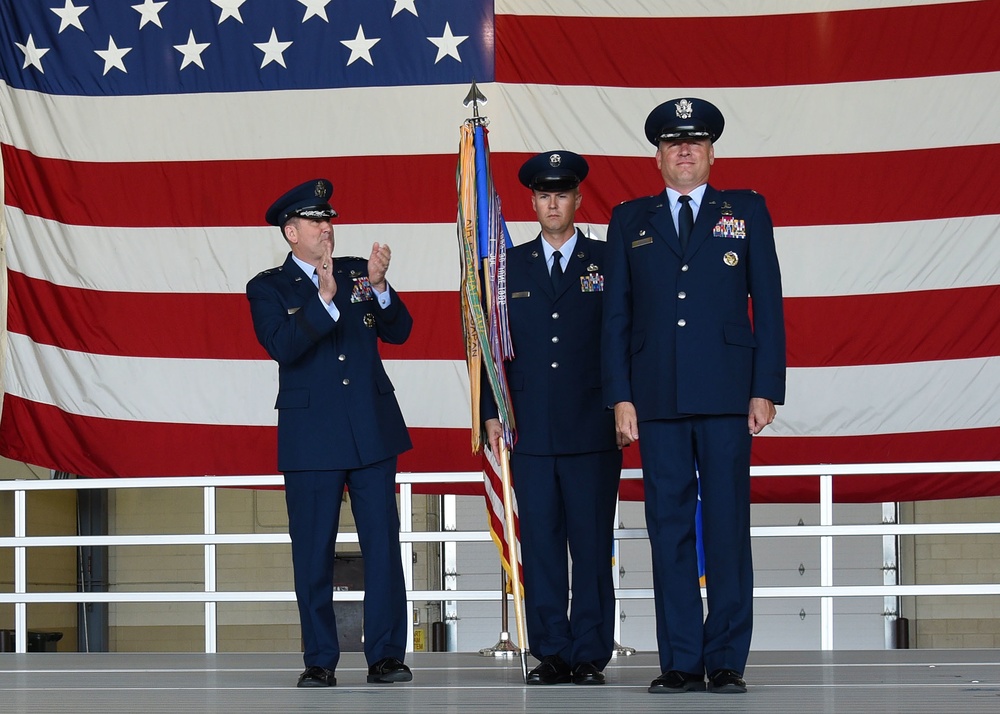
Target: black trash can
{"x":43,"y":641}
{"x":37,"y":641}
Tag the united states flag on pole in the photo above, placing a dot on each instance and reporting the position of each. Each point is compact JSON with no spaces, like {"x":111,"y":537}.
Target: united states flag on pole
{"x":142,"y":141}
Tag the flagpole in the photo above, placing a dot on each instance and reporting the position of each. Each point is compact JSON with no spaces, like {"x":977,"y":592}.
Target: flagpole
{"x":515,"y":558}
{"x":489,"y":229}
{"x":510,"y":532}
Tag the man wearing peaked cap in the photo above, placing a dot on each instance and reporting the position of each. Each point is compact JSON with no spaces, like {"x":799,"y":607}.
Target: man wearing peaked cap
{"x":554,"y":171}
{"x":692,"y":378}
{"x":565,"y":462}
{"x":321,"y":318}
{"x":684,"y":118}
{"x":308,"y":200}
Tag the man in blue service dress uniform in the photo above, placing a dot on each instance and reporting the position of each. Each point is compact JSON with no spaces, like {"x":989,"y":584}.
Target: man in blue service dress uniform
{"x":685,"y":366}
{"x":320,"y":318}
{"x":565,"y":463}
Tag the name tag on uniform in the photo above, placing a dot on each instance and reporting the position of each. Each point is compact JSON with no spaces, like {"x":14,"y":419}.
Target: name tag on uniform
{"x":642,"y":241}
{"x":362,"y":291}
{"x":523,"y":293}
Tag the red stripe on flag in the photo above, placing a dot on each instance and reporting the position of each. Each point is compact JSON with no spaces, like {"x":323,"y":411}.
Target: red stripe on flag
{"x":800,"y":48}
{"x":881,"y":329}
{"x":47,"y":436}
{"x":966,"y":445}
{"x":135,"y":448}
{"x":822,"y":331}
{"x":883,"y":187}
{"x":981,"y":444}
{"x":102,"y":322}
{"x":225,"y":193}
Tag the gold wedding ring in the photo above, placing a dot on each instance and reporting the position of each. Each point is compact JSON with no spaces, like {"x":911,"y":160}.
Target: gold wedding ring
{"x":325,"y":266}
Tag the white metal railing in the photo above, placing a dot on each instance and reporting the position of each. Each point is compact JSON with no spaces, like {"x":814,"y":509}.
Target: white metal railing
{"x":209,"y":539}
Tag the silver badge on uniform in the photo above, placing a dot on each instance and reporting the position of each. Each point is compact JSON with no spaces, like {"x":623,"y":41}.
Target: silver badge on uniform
{"x":369,"y":320}
{"x":730,"y":258}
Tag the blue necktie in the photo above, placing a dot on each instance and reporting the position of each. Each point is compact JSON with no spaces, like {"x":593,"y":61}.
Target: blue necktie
{"x":685,"y":222}
{"x":557,"y":271}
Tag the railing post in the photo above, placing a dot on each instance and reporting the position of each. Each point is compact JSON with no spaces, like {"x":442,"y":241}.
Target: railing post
{"x":406,"y":553}
{"x":20,"y":573}
{"x":826,"y":560}
{"x":211,"y":575}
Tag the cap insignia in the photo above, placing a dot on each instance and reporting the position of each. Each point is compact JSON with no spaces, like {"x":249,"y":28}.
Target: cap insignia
{"x":684,"y":109}
{"x":320,"y":190}
{"x":555,"y":160}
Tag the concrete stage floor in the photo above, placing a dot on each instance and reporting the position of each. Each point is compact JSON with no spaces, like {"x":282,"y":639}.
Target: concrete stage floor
{"x":905,"y":681}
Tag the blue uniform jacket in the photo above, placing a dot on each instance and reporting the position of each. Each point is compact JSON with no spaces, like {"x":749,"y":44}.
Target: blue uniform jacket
{"x":677,"y":336}
{"x":555,"y":376}
{"x":336,"y":405}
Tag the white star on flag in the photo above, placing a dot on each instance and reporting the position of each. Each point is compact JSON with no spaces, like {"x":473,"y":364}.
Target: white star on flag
{"x":230,"y":8}
{"x":150,"y":12}
{"x":32,"y":55}
{"x":113,"y":56}
{"x":192,"y":51}
{"x":404,"y":5}
{"x":315,"y":7}
{"x":448,"y":44}
{"x":69,"y":15}
{"x":360,"y":47}
{"x":272,"y":50}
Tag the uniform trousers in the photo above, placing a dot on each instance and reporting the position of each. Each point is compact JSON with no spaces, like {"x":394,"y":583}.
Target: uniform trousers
{"x":719,"y":448}
{"x":568,"y":499}
{"x":314,"y":499}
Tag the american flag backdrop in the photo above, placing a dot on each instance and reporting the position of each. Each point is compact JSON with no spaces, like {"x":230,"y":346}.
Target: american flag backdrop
{"x":142,"y":142}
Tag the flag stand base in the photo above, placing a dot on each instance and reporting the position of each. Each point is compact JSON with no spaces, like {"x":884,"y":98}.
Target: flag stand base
{"x":622,"y":650}
{"x":503,"y":648}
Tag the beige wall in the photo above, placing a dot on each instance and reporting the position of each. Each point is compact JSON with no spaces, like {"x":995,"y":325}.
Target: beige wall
{"x":955,"y":621}
{"x":48,"y":569}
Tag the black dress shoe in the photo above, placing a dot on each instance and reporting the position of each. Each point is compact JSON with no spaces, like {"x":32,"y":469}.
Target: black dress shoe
{"x":726,"y":681}
{"x":317,"y":677}
{"x":552,"y":670}
{"x":388,"y":670}
{"x":587,"y":673}
{"x":675,"y":681}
